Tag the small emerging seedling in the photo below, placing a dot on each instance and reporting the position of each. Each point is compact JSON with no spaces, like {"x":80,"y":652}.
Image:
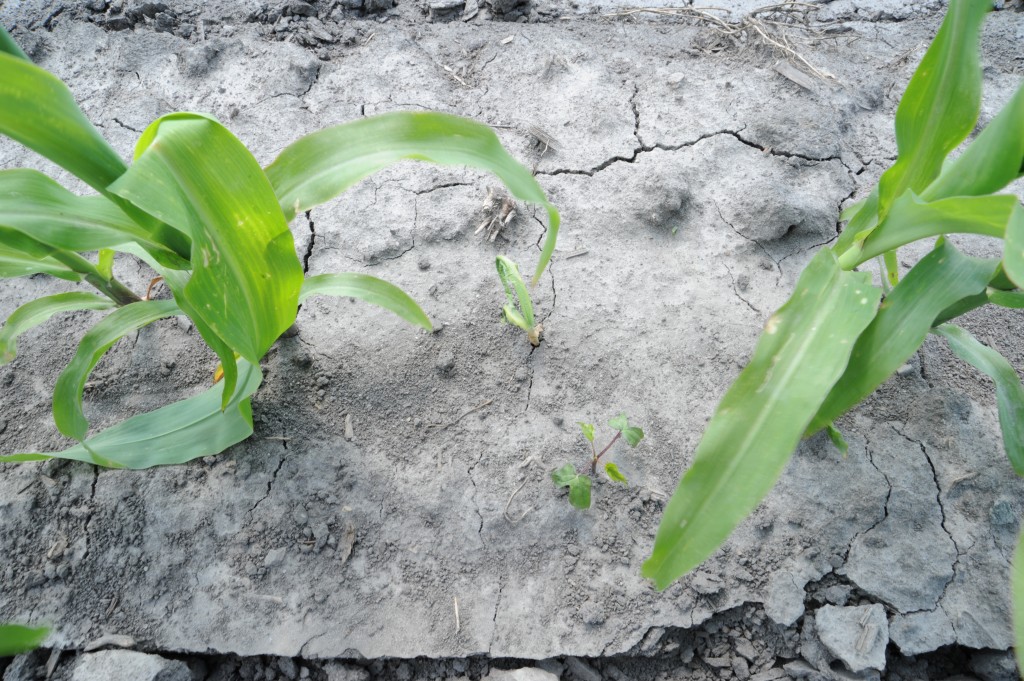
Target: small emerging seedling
{"x":518,"y":296}
{"x":579,"y":485}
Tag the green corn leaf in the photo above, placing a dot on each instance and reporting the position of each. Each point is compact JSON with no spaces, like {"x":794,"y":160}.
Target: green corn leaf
{"x":38,"y":311}
{"x":633,"y":435}
{"x":67,"y":393}
{"x":999,"y":283}
{"x":8,"y":45}
{"x":176,"y":281}
{"x":939,"y":280}
{"x":862,"y":222}
{"x":193,"y":174}
{"x":801,"y":353}
{"x":614,"y":474}
{"x":588,"y":430}
{"x":16,"y":639}
{"x":911,"y":219}
{"x":892,"y":268}
{"x":40,"y":113}
{"x":182,"y":431}
{"x":837,"y":439}
{"x":14,"y":263}
{"x":1009,"y":391}
{"x":940,"y":105}
{"x":105,"y":262}
{"x":1013,"y":246}
{"x":1011,"y":299}
{"x":579,"y":485}
{"x":368,"y":289}
{"x":35,"y":205}
{"x":515,"y":291}
{"x":1017,"y":585}
{"x":992,"y":161}
{"x":513,"y":317}
{"x":320,"y":166}
{"x":853,"y":209}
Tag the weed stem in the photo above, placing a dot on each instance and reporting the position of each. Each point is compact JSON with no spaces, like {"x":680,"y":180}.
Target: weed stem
{"x":593,"y":463}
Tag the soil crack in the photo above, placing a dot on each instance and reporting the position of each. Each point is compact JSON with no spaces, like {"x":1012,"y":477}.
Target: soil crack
{"x":942,"y":509}
{"x":273,"y":479}
{"x":784,"y":154}
{"x":92,"y":512}
{"x":736,"y":291}
{"x":642,"y":148}
{"x":126,"y":126}
{"x":885,"y":506}
{"x":312,"y":242}
{"x":494,"y":620}
{"x":637,"y":151}
{"x":744,"y":236}
{"x":446,"y":185}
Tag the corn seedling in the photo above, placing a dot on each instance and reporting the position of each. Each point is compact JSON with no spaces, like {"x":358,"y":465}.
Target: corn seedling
{"x":199,"y":210}
{"x":832,"y":343}
{"x":579,"y":484}
{"x":518,"y":311}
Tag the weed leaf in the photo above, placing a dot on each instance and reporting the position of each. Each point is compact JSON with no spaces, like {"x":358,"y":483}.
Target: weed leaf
{"x":1009,"y":391}
{"x":579,"y":492}
{"x":633,"y":435}
{"x":579,"y":485}
{"x":614,"y":473}
{"x":588,"y":430}
{"x":802,"y":352}
{"x":564,"y":475}
{"x":619,"y":423}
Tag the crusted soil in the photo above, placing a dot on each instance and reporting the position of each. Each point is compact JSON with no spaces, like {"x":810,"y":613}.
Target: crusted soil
{"x":393,"y":516}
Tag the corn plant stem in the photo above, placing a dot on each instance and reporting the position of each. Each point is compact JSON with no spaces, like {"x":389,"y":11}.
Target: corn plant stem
{"x":110,"y":287}
{"x":593,"y":463}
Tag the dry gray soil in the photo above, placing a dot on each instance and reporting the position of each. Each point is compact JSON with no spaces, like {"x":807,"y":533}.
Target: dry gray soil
{"x":392,"y":517}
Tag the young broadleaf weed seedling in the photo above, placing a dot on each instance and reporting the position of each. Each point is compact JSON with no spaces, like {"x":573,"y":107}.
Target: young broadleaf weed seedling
{"x":832,"y":343}
{"x":579,"y":484}
{"x":198,"y":209}
{"x":518,"y":311}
